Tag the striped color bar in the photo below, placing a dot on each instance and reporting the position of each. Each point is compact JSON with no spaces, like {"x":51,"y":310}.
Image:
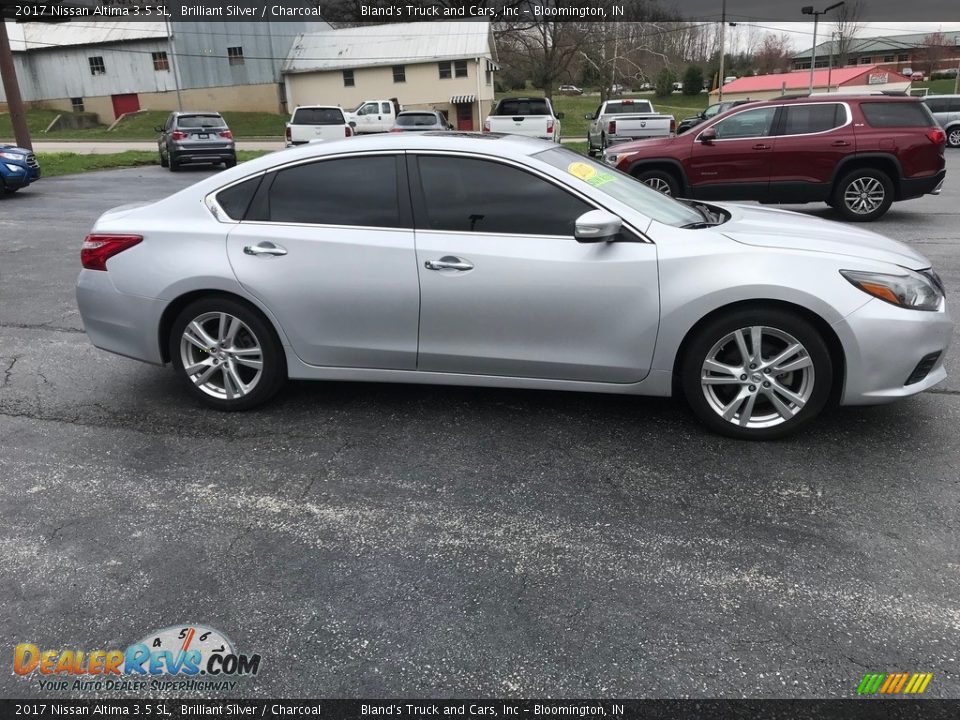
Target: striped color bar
{"x":894,"y":683}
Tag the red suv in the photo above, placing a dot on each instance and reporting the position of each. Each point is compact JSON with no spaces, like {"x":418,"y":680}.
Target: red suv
{"x":858,"y":154}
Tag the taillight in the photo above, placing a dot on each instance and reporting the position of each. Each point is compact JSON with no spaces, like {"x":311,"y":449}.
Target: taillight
{"x":673,"y":124}
{"x":178,"y":135}
{"x":612,"y":127}
{"x":226,"y":134}
{"x":395,"y":130}
{"x":97,"y":249}
{"x":347,"y":131}
{"x":289,"y":133}
{"x":550,"y":127}
{"x":486,"y":125}
{"x":937,"y":136}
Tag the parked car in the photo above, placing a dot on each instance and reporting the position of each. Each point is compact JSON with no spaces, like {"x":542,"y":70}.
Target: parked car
{"x":570,"y":90}
{"x":373,"y":116}
{"x":645,"y":86}
{"x":617,"y":89}
{"x":530,"y":116}
{"x":18,"y":168}
{"x":677,"y":86}
{"x":858,"y":154}
{"x":195,"y":137}
{"x":946,"y":110}
{"x":421,"y":121}
{"x":303,"y":264}
{"x":311,"y":123}
{"x":617,"y":121}
{"x":709,"y":112}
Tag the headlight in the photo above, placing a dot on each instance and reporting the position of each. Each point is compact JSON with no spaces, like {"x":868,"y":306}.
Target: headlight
{"x":910,"y":289}
{"x":611,"y":159}
{"x":11,"y":156}
{"x":13,"y":168}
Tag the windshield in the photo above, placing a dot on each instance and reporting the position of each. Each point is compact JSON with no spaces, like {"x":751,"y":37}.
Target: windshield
{"x":200,"y":121}
{"x":622,"y":187}
{"x":416,"y":120}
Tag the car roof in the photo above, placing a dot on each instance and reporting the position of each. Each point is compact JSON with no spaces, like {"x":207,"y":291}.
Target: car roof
{"x":319,"y":107}
{"x":182,"y":113}
{"x":841,"y":97}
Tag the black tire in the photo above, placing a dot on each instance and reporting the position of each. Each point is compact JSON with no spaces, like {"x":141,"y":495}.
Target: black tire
{"x":173,"y":163}
{"x":232,"y":162}
{"x":257,"y":332}
{"x":164,"y":162}
{"x":659,"y":180}
{"x":9,"y":190}
{"x":849,"y":182}
{"x":953,"y":136}
{"x":815,"y":383}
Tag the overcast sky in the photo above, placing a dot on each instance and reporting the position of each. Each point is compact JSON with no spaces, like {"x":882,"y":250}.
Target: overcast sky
{"x":801,"y":33}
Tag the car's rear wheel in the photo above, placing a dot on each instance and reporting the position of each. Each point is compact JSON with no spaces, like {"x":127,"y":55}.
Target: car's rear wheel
{"x":232,"y":162}
{"x":227,"y":354}
{"x":757,"y":374}
{"x":953,"y":137}
{"x":164,"y":162}
{"x":174,"y":164}
{"x":863,"y":195}
{"x":659,"y":180}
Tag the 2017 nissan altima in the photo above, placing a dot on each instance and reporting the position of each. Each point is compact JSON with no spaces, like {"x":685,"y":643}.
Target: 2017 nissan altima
{"x":505,"y":261}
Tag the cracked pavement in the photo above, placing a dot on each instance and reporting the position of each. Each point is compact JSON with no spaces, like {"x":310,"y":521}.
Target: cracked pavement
{"x":385,"y":540}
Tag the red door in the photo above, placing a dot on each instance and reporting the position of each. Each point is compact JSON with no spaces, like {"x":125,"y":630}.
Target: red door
{"x":736,"y":165}
{"x":464,"y":116}
{"x":125,"y":104}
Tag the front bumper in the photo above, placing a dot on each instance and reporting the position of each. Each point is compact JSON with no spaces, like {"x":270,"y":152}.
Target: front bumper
{"x":15,"y":179}
{"x":118,"y":322}
{"x":883,"y":345}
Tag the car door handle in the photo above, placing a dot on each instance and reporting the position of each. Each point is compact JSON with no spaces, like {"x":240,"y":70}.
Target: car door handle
{"x":264,"y":248}
{"x":448,"y":262}
{"x":761,"y":146}
{"x":840,"y":143}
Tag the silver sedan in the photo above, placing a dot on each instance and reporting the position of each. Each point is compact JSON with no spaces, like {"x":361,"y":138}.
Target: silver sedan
{"x":505,"y":261}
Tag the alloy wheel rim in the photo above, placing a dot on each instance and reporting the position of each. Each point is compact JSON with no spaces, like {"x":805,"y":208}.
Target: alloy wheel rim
{"x":221,"y":355}
{"x":955,"y":137}
{"x":757,"y":377}
{"x":658,"y":184}
{"x":864,"y":195}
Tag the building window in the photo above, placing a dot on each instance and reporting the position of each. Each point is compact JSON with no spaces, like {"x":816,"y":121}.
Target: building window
{"x":888,"y":58}
{"x":76,"y":104}
{"x":903,"y":57}
{"x":348,"y":80}
{"x":235,"y":55}
{"x":489,"y":75}
{"x":460,"y":68}
{"x":446,"y":72}
{"x":160,"y":61}
{"x":866,"y":60}
{"x":399,"y":73}
{"x":96,"y":66}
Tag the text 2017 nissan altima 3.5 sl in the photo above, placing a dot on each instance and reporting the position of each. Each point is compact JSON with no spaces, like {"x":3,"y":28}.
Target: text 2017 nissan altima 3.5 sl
{"x":505,"y":261}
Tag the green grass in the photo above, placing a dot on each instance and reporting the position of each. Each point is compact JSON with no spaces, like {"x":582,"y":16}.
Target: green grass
{"x":64,"y":163}
{"x":937,"y":87}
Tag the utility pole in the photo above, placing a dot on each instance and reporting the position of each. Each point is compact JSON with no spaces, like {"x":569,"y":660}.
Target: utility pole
{"x":833,"y":36}
{"x":723,"y":50}
{"x":12,"y":89}
{"x":808,"y":10}
{"x":173,"y":61}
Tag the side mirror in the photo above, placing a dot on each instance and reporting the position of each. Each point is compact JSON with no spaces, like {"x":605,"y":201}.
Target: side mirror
{"x":588,"y":116}
{"x":559,"y":116}
{"x":352,"y":124}
{"x":597,"y":226}
{"x":158,"y":128}
{"x":708,"y":136}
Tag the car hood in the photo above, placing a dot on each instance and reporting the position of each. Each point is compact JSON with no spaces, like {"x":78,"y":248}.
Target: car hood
{"x":640,"y":145}
{"x":14,"y":148}
{"x":768,"y":227}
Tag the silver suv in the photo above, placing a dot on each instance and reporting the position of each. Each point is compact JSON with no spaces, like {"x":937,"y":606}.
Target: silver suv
{"x":946,"y":109}
{"x":195,"y":137}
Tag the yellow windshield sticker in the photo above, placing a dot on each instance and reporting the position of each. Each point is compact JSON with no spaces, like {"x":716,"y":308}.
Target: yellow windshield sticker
{"x":589,"y":174}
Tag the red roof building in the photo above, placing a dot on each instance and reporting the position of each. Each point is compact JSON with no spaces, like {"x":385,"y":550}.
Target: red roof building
{"x":849,"y":80}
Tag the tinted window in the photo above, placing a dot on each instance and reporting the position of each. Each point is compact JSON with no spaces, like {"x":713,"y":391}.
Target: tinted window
{"x":938,"y":105}
{"x":533,"y":106}
{"x":385,"y":108}
{"x":318,"y":116}
{"x":748,"y":124}
{"x":417,"y":120}
{"x":348,"y":191}
{"x":897,"y":114}
{"x":200,"y":121}
{"x":804,"y":119}
{"x":483,"y":196}
{"x":235,"y":200}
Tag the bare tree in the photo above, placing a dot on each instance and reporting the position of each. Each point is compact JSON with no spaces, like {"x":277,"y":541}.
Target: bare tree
{"x":847,"y":26}
{"x":543,"y":51}
{"x":773,"y":54}
{"x":935,"y":48}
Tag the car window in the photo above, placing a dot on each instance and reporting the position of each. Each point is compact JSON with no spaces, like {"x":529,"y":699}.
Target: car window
{"x":938,"y":105}
{"x":468,"y":195}
{"x":385,"y":108}
{"x":191,"y":122}
{"x":622,"y":187}
{"x":747,"y":124}
{"x":533,"y":106}
{"x":806,"y":119}
{"x":417,"y":120}
{"x":897,"y":114}
{"x":713,"y":110}
{"x":955,"y":104}
{"x":369,"y":109}
{"x":317,"y":116}
{"x":236,"y":199}
{"x":345,"y":191}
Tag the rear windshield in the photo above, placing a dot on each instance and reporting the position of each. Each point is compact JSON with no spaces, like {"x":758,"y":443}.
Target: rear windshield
{"x":417,"y":120}
{"x":317,"y":116}
{"x":533,"y":106}
{"x":619,"y":108}
{"x":200,"y":121}
{"x":897,"y":114}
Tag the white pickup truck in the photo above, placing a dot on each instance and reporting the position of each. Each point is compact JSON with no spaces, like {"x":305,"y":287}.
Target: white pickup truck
{"x":373,"y":116}
{"x":310,"y":123}
{"x":619,"y":121}
{"x":530,"y":116}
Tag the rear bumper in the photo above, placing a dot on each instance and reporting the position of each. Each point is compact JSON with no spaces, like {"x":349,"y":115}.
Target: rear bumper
{"x":617,"y":139}
{"x":118,"y":322}
{"x":915,"y":187}
{"x":204,"y":155}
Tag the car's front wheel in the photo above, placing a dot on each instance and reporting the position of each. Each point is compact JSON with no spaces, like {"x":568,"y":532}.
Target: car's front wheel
{"x":227,"y":354}
{"x":660,"y":181}
{"x":863,"y":195}
{"x":757,"y":374}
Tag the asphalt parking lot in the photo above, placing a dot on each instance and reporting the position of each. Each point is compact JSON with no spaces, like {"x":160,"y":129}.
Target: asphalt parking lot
{"x":386,"y":540}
